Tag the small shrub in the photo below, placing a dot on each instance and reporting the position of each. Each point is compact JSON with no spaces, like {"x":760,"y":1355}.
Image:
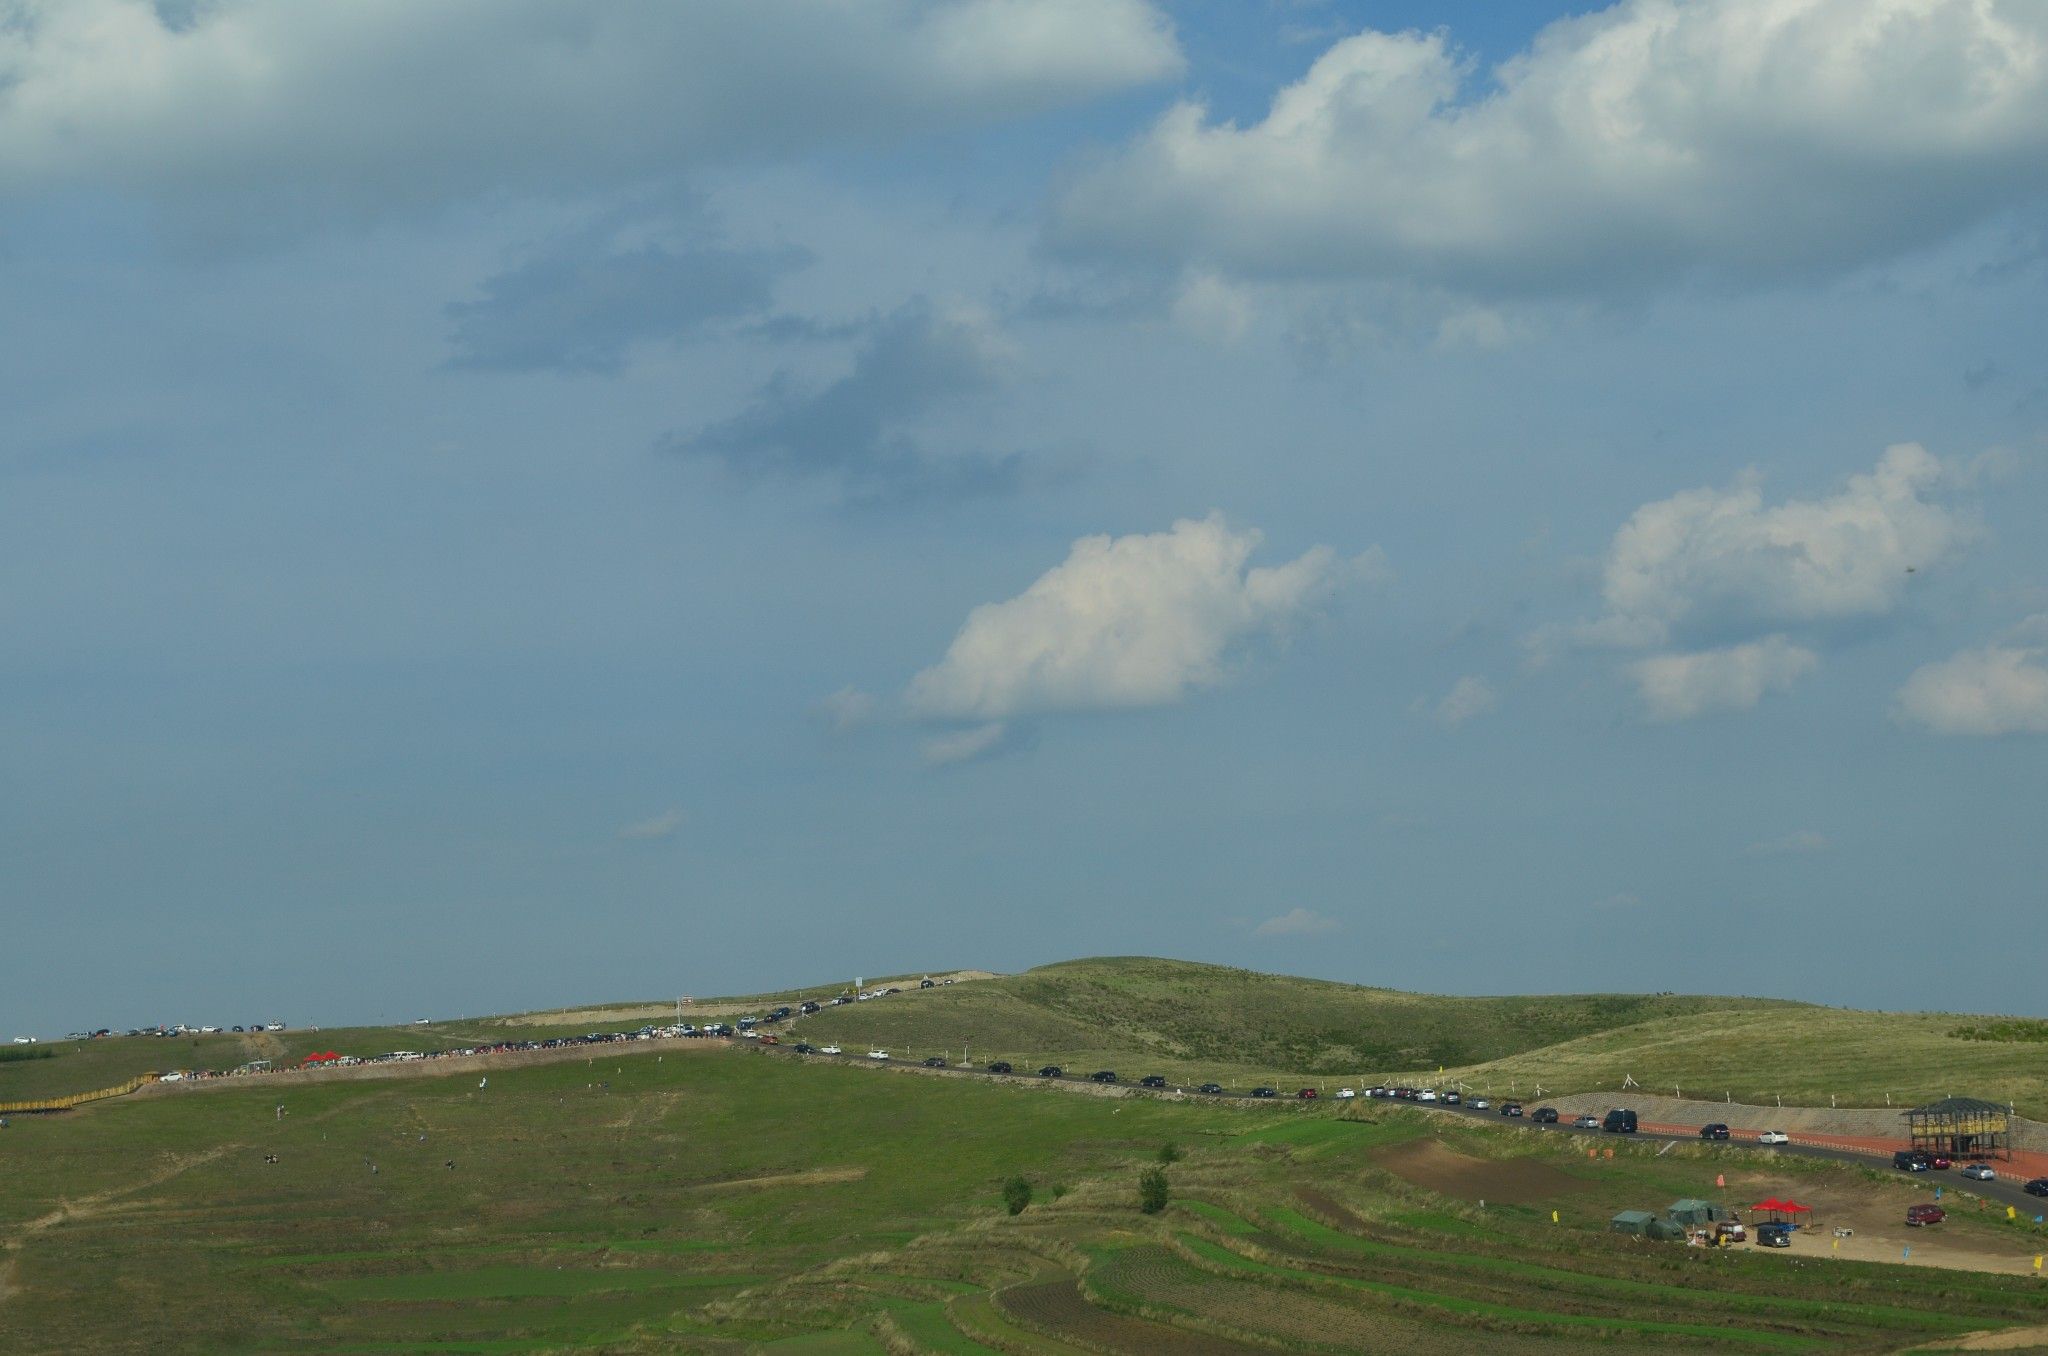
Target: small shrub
{"x":1170,"y":1152}
{"x":12,"y":1053}
{"x":1017,"y":1195}
{"x":1152,"y":1194}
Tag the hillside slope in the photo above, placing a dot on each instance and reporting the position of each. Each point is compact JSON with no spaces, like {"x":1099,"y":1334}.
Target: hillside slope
{"x":1190,"y":1018}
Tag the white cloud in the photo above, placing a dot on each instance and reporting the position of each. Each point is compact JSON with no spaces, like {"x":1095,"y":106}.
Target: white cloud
{"x":963,"y":746}
{"x":1797,"y":843}
{"x":1999,"y":689}
{"x":1297,"y":923}
{"x":1469,"y":698}
{"x":1734,"y":678}
{"x":1636,"y":145}
{"x":1126,"y":622}
{"x":389,"y":101}
{"x":667,"y":824}
{"x":1706,"y":559}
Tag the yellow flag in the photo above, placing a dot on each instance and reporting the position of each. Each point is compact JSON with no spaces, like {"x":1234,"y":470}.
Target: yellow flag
{"x":2011,"y":1213}
{"x":2037,"y":1261}
{"x":1838,"y":1245}
{"x":1553,"y":1220}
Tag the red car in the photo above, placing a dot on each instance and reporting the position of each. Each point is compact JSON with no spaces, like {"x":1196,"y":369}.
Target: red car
{"x":1938,"y":1160}
{"x":1308,"y":1094}
{"x":1917,"y":1215}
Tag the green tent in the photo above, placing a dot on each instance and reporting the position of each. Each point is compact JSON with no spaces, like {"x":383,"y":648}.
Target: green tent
{"x":1633,"y":1222}
{"x":1692,"y":1211}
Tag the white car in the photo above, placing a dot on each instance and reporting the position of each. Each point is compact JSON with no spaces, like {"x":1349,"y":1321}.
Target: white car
{"x":1479,"y":1104}
{"x":830,"y":1050}
{"x":878,"y":1054}
{"x":1346,"y":1094}
{"x":1426,"y":1095}
{"x":1773,"y":1137}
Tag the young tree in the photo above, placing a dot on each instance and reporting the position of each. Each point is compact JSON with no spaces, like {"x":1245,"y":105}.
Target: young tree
{"x":1017,"y":1195}
{"x":1152,"y":1190}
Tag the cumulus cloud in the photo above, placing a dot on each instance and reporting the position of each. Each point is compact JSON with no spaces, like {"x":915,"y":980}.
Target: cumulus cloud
{"x":1126,"y":622}
{"x":392,"y":103}
{"x":861,"y":430}
{"x":667,"y":824}
{"x":1297,"y":923}
{"x":1744,"y":139}
{"x":1712,"y":560}
{"x":1734,"y":678}
{"x":1997,"y":690}
{"x":1469,"y":698}
{"x":1797,"y":843}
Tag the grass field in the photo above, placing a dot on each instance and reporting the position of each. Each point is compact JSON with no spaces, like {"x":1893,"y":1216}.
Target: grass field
{"x":700,"y":1198}
{"x":1193,"y":1023}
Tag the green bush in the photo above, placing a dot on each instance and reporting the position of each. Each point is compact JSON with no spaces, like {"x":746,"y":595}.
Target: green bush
{"x":10,"y":1053}
{"x":1017,"y":1195}
{"x":1152,"y":1190}
{"x":1170,"y":1152}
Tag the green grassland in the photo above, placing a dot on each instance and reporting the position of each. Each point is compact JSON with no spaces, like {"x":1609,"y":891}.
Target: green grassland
{"x":1189,"y":1019}
{"x":714,"y":1199}
{"x":1193,"y":1023}
{"x":1804,"y":1056}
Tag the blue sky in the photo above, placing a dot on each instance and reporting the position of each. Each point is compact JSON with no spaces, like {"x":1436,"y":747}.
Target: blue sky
{"x":511,"y":504}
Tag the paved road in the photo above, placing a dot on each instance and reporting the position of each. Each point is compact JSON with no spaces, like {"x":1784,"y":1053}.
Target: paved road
{"x":2002,"y":1192}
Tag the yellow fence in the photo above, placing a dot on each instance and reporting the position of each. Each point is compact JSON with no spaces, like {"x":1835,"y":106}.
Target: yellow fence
{"x":75,"y":1099}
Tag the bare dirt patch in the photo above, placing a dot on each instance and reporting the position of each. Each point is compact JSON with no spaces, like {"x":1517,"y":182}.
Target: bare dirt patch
{"x":2003,"y":1339}
{"x":1875,"y":1217}
{"x":814,"y":1177}
{"x":1513,"y":1181}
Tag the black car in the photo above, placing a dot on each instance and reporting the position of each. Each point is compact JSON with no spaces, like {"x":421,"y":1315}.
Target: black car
{"x":935,"y":1062}
{"x":803,"y":1049}
{"x":1210,"y":1088}
{"x":779,"y":1014}
{"x":1103,"y":1076}
{"x":1000,"y":1066}
{"x":1264,"y":1092}
{"x":808,"y":1008}
{"x":1619,"y":1121}
{"x":1544,"y":1115}
{"x":1714,"y":1131}
{"x":1152,"y":1081}
{"x":1774,"y":1235}
{"x":2037,"y":1187}
{"x":1510,"y":1108}
{"x":1051,"y":1071}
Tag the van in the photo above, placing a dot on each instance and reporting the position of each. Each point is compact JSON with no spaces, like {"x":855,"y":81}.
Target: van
{"x":1620,"y":1121}
{"x":1910,"y":1160}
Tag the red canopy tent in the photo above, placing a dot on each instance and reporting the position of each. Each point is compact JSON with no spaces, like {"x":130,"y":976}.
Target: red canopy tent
{"x":1775,"y":1207}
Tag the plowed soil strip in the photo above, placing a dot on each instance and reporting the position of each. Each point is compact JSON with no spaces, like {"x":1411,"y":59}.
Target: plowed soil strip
{"x":1060,"y":1307}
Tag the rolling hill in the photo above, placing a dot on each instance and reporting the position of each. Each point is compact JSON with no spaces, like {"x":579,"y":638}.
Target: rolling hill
{"x":1189,"y":1018}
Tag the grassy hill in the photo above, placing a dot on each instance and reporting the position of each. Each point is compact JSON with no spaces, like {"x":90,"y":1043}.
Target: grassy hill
{"x":1803,"y":1055}
{"x":728,"y":1200}
{"x":1195,"y":1021}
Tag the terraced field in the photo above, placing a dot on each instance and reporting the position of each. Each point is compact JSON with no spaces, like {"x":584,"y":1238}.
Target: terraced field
{"x":714,"y":1199}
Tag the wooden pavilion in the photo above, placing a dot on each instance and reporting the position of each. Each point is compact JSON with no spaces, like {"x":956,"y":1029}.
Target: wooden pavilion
{"x":1962,"y":1127}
